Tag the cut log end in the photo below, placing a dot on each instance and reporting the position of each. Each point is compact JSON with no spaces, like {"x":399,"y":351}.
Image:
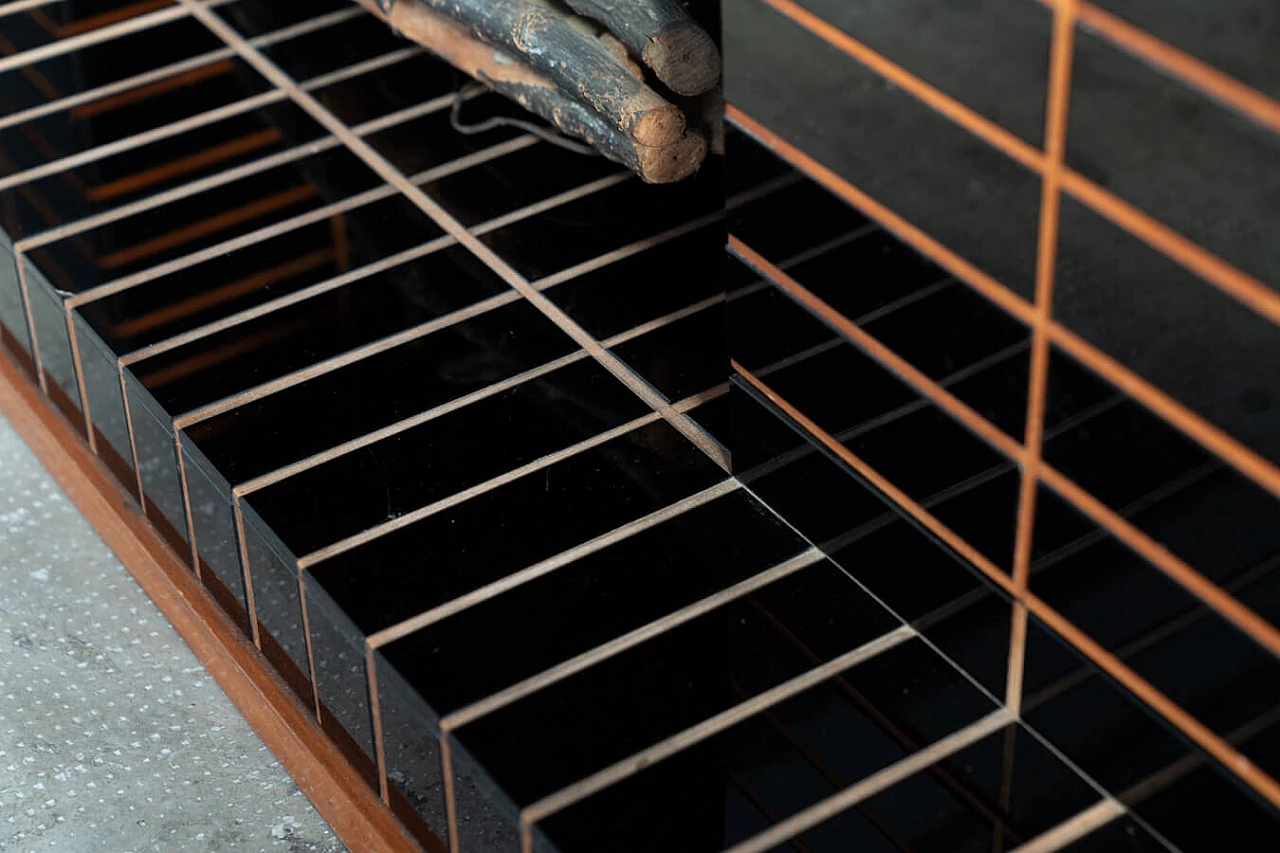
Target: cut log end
{"x":658,"y":127}
{"x":685,"y":58}
{"x":674,"y":162}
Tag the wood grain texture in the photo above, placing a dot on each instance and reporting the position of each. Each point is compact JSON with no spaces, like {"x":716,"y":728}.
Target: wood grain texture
{"x":681,"y":54}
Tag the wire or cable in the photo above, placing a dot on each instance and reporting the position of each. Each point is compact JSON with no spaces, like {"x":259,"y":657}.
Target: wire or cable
{"x":544,"y":133}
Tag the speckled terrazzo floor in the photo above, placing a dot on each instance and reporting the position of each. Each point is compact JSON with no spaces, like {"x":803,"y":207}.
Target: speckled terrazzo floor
{"x":113,"y":737}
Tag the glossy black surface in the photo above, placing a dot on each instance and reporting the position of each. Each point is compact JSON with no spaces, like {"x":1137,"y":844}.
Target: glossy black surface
{"x":388,"y":403}
{"x":991,"y":55}
{"x":651,"y":284}
{"x":602,"y":222}
{"x":409,"y":571}
{"x":1234,"y":35}
{"x":1130,"y":121}
{"x":370,"y":394}
{"x":1199,"y":345}
{"x":300,"y":335}
{"x":593,"y":600}
{"x":772,"y":765}
{"x":1125,"y":749}
{"x":234,"y":280}
{"x":652,"y":691}
{"x":968,"y":196}
{"x":1120,"y":836}
{"x":684,"y":358}
{"x":446,"y":456}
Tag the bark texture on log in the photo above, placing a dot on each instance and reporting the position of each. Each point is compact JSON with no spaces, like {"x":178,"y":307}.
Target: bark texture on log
{"x":504,"y":74}
{"x":546,"y":39}
{"x":681,"y":53}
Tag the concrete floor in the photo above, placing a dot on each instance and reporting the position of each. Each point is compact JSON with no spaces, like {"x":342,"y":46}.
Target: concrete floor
{"x":113,"y":737}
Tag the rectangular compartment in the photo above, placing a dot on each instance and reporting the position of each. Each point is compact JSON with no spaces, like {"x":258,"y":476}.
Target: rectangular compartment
{"x":272,"y":573}
{"x":104,"y":391}
{"x":13,"y":313}
{"x":217,"y":548}
{"x":156,"y":452}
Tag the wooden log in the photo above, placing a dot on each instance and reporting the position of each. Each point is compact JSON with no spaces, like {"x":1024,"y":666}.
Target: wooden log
{"x":705,"y":114}
{"x":505,"y":75}
{"x":661,"y":33}
{"x":621,"y":53}
{"x":550,"y":43}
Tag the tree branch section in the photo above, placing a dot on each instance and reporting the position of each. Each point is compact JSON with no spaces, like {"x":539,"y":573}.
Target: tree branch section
{"x":585,"y":75}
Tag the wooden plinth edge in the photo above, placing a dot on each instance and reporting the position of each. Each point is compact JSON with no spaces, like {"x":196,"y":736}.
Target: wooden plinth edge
{"x":357,"y":815}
